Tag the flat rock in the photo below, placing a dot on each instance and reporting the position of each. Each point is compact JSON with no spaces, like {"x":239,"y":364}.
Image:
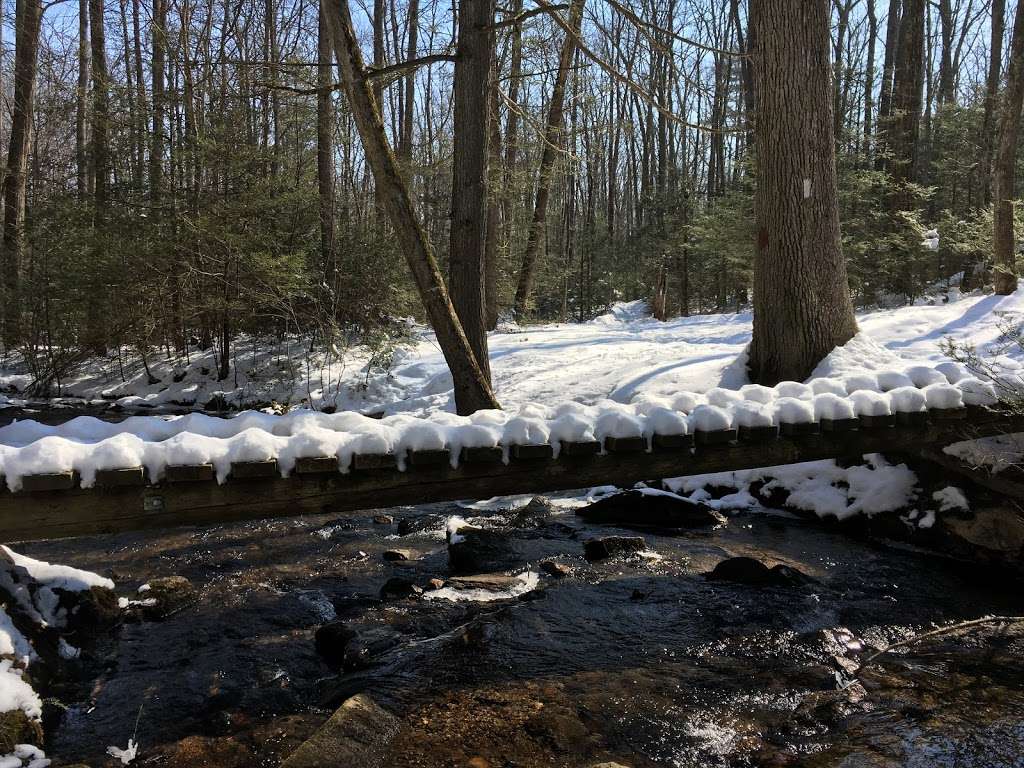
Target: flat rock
{"x":495,"y":582}
{"x":355,"y":736}
{"x":398,"y":555}
{"x":748,"y":570}
{"x":610,"y":546}
{"x":660,"y":510}
{"x":383,"y":520}
{"x":990,"y":531}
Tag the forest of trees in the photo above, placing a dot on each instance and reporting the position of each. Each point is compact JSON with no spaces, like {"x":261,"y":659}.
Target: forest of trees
{"x":183,"y":171}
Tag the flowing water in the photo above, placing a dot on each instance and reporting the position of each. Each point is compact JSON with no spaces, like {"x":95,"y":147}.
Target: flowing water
{"x":641,"y":660}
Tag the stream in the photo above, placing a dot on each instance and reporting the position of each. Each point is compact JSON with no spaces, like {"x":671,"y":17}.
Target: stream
{"x":639,"y":660}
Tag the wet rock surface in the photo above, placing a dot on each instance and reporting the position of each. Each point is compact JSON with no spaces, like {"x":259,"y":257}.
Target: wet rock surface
{"x":650,"y":509}
{"x":636,"y":661}
{"x":750,"y":571}
{"x":603,"y":547}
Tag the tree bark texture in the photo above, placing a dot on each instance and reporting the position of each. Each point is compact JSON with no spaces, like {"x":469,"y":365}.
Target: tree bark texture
{"x":1005,"y":163}
{"x":802,"y":306}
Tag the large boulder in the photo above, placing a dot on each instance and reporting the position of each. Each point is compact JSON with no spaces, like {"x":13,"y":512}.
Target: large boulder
{"x":650,"y":509}
{"x":482,"y":550}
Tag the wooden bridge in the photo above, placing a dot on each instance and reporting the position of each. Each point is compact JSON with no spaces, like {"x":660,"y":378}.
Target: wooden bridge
{"x":53,"y":506}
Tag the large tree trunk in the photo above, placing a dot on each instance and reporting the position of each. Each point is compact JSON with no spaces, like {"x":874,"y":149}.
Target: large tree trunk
{"x":100,"y":150}
{"x":1005,"y":163}
{"x":466,"y":257}
{"x":472,"y":387}
{"x":552,"y":143}
{"x":995,"y":64}
{"x":802,"y":307}
{"x":27,"y":18}
{"x":409,"y":115}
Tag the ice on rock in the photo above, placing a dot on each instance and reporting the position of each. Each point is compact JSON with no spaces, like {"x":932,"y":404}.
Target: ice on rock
{"x":687,"y":402}
{"x":753,"y":414}
{"x":794,"y":389}
{"x":977,"y":392}
{"x":723,"y":398}
{"x":710,"y":418}
{"x":908,"y":400}
{"x":831,"y":406}
{"x":794,"y":410}
{"x":861,"y":382}
{"x":889,"y":380}
{"x":943,"y":396}
{"x":830,"y":386}
{"x":665,"y":421}
{"x":922,"y":376}
{"x":867,"y":402}
{"x":953,"y":372}
{"x":523,"y":430}
{"x":757,"y":393}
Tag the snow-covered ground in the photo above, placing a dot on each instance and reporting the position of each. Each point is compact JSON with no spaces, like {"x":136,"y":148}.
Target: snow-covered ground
{"x":615,"y":356}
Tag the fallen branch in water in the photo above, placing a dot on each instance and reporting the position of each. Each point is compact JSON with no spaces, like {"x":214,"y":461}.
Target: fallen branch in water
{"x":984,"y":620}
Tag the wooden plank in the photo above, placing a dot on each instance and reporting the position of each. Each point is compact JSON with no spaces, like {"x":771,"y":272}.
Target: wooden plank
{"x":758,"y":434}
{"x":316,"y":465}
{"x":429,"y":459}
{"x":365,"y":462}
{"x":82,"y":512}
{"x":531,"y":452}
{"x":625,"y":444}
{"x":799,"y":429}
{"x":673,"y":442}
{"x":118,"y":478}
{"x":49,"y":481}
{"x":717,"y":437}
{"x":583,"y":449}
{"x":249,"y":470}
{"x":482,"y":455}
{"x":188,"y":473}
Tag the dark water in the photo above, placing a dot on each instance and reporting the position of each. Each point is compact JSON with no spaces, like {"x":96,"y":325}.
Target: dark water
{"x":638,"y":660}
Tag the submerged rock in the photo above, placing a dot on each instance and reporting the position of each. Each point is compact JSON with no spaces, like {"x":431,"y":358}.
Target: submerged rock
{"x":170,"y":593}
{"x":493,"y":582}
{"x":747,"y":570}
{"x":398,"y":555}
{"x":610,"y":546}
{"x":644,"y":508}
{"x":409,"y":525}
{"x":558,"y":570}
{"x":344,"y":647}
{"x":398,"y":587}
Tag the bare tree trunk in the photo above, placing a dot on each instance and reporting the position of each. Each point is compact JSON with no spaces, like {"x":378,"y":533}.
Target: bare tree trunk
{"x":494,"y":174}
{"x":325,"y":151}
{"x":156,"y":151}
{"x":100,"y":151}
{"x":552,"y":143}
{"x":472,"y":387}
{"x":81,"y":110}
{"x":988,"y":131}
{"x":472,"y":99}
{"x":802,"y":307}
{"x":869,"y":78}
{"x":1005,"y":163}
{"x":28,"y":14}
{"x":908,"y":83}
{"x":892,"y":33}
{"x":408,"y":116}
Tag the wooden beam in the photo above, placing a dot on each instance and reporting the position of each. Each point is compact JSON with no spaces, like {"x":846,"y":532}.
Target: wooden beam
{"x":49,"y":514}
